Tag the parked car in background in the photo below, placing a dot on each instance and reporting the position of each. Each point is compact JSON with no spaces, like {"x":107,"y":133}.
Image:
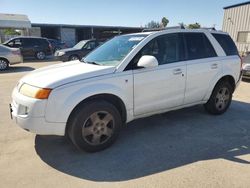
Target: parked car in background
{"x":57,"y":45}
{"x":31,"y":46}
{"x":246,"y":67}
{"x":129,"y":77}
{"x":9,"y":56}
{"x":80,"y":50}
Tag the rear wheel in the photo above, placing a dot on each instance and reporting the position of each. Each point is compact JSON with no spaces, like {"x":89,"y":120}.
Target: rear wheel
{"x":40,"y":55}
{"x":220,"y":99}
{"x":73,"y":57}
{"x":94,"y":126}
{"x":4,"y":64}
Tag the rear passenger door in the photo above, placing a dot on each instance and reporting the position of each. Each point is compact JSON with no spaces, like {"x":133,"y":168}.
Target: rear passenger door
{"x":28,"y":47}
{"x":202,"y":66}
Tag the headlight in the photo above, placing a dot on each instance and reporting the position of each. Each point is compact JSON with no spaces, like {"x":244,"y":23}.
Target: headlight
{"x":60,"y":53}
{"x":35,"y":92}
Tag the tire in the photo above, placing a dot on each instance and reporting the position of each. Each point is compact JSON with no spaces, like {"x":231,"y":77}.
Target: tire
{"x":94,"y":126}
{"x":4,"y":64}
{"x":40,"y":55}
{"x":73,"y":57}
{"x":220,"y":98}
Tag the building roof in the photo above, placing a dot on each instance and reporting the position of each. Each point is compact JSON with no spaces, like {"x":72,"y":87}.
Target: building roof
{"x":14,"y":21}
{"x":237,"y":5}
{"x":81,"y":26}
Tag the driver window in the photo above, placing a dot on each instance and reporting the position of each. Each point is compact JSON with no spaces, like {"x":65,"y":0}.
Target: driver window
{"x":166,"y":49}
{"x":11,"y":43}
{"x":90,"y":45}
{"x":18,"y":43}
{"x":152,"y":48}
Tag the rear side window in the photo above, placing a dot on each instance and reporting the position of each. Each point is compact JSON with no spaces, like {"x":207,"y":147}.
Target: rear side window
{"x":198,"y":46}
{"x":226,"y":43}
{"x":28,"y":42}
{"x":44,"y":42}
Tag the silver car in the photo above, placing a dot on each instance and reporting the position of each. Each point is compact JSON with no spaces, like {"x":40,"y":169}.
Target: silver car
{"x":246,"y":67}
{"x":9,"y":56}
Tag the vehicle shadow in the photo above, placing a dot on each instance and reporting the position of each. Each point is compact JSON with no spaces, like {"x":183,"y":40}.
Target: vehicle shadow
{"x":15,"y":69}
{"x":156,"y":144}
{"x":34,"y":60}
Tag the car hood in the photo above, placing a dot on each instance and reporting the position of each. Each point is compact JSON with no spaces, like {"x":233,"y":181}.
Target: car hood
{"x":63,"y":73}
{"x":68,"y":50}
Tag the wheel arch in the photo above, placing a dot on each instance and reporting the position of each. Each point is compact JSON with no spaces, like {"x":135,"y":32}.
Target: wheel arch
{"x":229,"y":78}
{"x":5,"y":59}
{"x":111,"y":98}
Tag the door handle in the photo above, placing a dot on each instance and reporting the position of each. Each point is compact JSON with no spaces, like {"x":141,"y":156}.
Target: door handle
{"x":177,"y":71}
{"x":214,"y":66}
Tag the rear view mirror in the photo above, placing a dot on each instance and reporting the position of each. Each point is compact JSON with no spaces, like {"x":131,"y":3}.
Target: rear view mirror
{"x":147,"y":61}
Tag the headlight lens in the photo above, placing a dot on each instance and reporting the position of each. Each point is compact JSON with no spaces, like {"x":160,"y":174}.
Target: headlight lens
{"x":35,"y":92}
{"x":60,"y":53}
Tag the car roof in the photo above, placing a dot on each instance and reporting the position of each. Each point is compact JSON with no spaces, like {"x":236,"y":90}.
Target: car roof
{"x":170,"y":30}
{"x":28,"y":37}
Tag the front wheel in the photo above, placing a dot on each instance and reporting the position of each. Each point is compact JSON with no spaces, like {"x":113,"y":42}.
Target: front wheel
{"x":94,"y":126}
{"x":220,"y":99}
{"x":73,"y":57}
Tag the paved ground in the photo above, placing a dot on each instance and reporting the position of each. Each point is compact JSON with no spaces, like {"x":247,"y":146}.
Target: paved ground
{"x":185,"y":148}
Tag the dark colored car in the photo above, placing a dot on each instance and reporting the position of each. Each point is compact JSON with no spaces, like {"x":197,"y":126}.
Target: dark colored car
{"x":57,"y":44}
{"x":31,"y":46}
{"x":80,"y":50}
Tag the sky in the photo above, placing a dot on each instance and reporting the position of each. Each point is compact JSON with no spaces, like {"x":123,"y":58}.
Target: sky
{"x":133,"y":13}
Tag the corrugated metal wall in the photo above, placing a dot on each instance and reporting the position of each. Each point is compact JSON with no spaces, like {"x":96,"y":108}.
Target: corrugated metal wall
{"x":237,"y":19}
{"x":68,"y":35}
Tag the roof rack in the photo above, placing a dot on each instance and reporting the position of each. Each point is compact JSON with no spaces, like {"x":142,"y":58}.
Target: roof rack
{"x":162,"y":29}
{"x":209,"y":28}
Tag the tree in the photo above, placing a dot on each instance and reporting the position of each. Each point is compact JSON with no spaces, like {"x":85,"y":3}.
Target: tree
{"x":164,"y":22}
{"x":11,"y":31}
{"x":153,"y":24}
{"x":194,"y":26}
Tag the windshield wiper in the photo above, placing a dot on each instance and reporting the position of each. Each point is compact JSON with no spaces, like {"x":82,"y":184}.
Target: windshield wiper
{"x":91,"y":62}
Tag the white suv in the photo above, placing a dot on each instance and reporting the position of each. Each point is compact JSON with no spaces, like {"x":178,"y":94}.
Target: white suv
{"x":129,"y":77}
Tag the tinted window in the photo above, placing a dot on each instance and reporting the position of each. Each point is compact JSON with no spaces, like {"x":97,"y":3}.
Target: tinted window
{"x":198,"y":46}
{"x":28,"y":42}
{"x":16,"y":43}
{"x":43,"y":42}
{"x":90,"y":45}
{"x":226,"y":43}
{"x":166,"y":49}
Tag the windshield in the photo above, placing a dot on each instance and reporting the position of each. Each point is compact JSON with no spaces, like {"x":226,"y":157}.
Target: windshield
{"x":112,"y":52}
{"x":80,"y":44}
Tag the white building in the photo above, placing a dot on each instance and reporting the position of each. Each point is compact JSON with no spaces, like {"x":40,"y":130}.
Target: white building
{"x":237,"y":23}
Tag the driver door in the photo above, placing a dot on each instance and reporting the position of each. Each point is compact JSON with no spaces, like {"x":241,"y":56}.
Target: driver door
{"x":162,"y":87}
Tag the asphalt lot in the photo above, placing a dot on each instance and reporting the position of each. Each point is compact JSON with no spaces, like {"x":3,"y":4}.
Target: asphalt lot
{"x":184,"y":148}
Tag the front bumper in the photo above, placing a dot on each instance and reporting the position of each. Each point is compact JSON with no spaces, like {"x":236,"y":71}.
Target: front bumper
{"x":246,"y":74}
{"x":62,"y":58}
{"x":28,"y":113}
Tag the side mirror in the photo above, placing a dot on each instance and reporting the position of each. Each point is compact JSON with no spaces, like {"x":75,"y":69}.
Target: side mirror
{"x":147,"y":61}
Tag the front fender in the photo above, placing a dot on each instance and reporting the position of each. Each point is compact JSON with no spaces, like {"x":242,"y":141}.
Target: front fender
{"x":63,"y":100}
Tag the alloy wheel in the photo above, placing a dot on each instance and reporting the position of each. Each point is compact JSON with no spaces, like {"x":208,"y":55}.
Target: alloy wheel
{"x":98,"y":128}
{"x":222,"y":98}
{"x":40,"y":55}
{"x":3,"y":64}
